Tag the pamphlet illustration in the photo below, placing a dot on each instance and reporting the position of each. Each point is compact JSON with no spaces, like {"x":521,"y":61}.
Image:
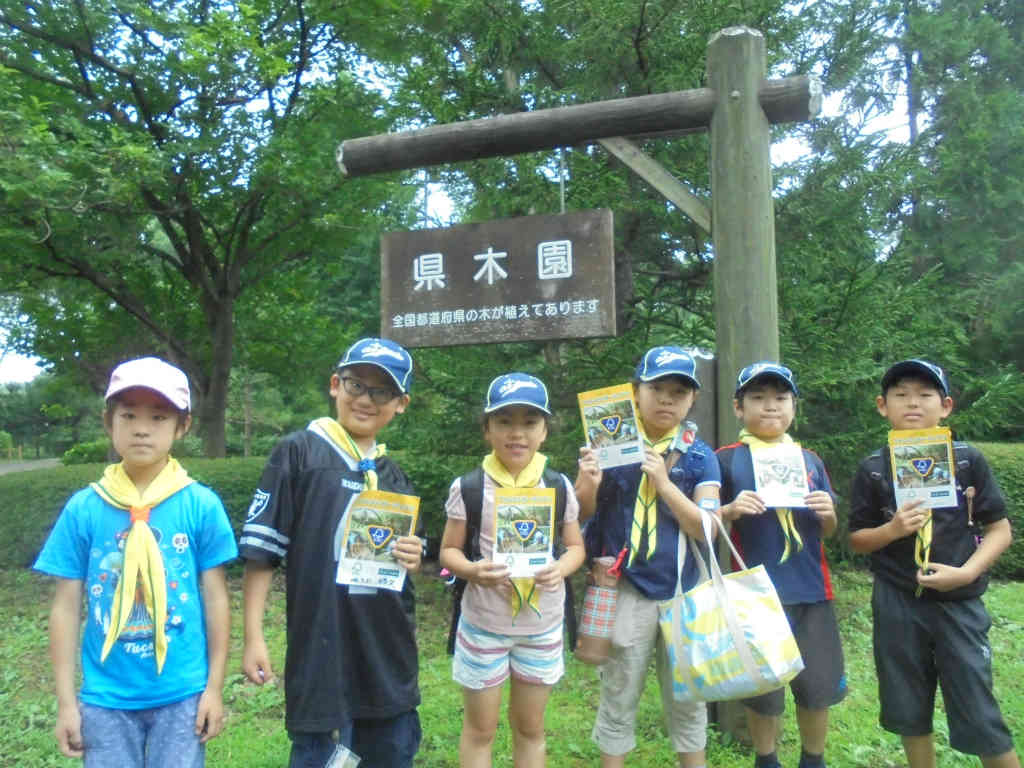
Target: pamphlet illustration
{"x":923,"y":466}
{"x":780,"y":474}
{"x":610,"y":425}
{"x":376,"y":520}
{"x":524,"y":528}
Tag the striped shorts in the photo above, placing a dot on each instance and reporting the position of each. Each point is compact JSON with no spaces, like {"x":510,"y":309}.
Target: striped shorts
{"x":484,"y":659}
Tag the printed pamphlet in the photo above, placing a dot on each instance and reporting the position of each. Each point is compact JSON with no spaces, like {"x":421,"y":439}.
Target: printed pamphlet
{"x":780,"y":475}
{"x":524,"y":528}
{"x":376,"y":520}
{"x":610,"y":425}
{"x":923,"y":466}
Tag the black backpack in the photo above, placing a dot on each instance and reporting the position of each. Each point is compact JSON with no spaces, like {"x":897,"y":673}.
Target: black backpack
{"x":472,"y":487}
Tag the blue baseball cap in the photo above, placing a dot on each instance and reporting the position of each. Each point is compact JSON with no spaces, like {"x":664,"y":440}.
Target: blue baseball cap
{"x":517,"y":389}
{"x":659,"y":362}
{"x":916,"y":367}
{"x":384,"y":354}
{"x":765,"y":369}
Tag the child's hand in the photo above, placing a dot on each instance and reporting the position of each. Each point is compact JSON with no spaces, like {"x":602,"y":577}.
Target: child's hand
{"x":747,"y":503}
{"x":209,"y":715}
{"x":589,"y":476}
{"x":653,"y":466}
{"x":68,"y":731}
{"x":408,"y":551}
{"x":489,"y":574}
{"x":909,"y":518}
{"x":549,"y":577}
{"x":943,"y":578}
{"x":821,"y":504}
{"x":256,"y":662}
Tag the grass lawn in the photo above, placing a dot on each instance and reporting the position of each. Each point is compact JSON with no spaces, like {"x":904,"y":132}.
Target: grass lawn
{"x":255,"y":735}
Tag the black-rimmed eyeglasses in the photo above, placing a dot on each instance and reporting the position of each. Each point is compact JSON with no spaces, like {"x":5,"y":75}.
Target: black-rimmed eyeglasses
{"x":379,"y":395}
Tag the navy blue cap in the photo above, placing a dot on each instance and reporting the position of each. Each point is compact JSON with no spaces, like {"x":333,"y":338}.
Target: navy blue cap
{"x":766,"y":369}
{"x":916,"y":367}
{"x":517,"y":389}
{"x":659,"y":362}
{"x":384,"y":354}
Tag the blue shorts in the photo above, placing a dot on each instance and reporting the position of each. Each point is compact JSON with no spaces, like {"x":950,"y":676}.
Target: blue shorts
{"x":484,"y":659}
{"x":379,"y":743}
{"x":162,"y":737}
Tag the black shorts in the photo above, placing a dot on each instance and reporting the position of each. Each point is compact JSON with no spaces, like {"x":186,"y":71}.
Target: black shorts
{"x":921,"y":643}
{"x":822,"y":682}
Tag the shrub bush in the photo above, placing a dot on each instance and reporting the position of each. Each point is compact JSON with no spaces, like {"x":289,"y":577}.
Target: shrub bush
{"x":1007,"y":462}
{"x":86,"y":453}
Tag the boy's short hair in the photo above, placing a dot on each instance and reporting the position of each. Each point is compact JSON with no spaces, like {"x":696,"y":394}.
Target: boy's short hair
{"x":918,"y":369}
{"x":390,"y":357}
{"x":659,"y":362}
{"x":154,"y":374}
{"x":517,"y":389}
{"x":766,"y":369}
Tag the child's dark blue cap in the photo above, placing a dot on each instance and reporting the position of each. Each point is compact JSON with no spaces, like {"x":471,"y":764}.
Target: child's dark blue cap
{"x":517,"y":389}
{"x":384,"y":354}
{"x":659,"y":362}
{"x":916,"y":367}
{"x":766,"y":369}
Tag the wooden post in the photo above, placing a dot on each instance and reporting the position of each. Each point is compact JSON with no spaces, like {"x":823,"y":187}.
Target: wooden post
{"x":742,"y":219}
{"x":743,"y":232}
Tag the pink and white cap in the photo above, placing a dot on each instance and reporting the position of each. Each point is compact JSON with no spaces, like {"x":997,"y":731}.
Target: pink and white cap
{"x":155,"y":374}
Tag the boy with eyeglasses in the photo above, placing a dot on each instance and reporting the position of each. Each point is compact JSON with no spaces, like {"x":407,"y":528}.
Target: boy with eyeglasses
{"x":351,"y":674}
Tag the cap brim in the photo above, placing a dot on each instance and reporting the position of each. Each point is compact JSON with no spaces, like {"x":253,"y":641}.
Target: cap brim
{"x":391,"y":375}
{"x":507,"y":403}
{"x":769,"y":375}
{"x":170,"y":400}
{"x":908,"y":367}
{"x":680,"y":374}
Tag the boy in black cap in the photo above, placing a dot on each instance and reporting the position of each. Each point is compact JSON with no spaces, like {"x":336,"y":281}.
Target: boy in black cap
{"x":788,"y":542}
{"x":940,"y":637}
{"x":351,"y":673}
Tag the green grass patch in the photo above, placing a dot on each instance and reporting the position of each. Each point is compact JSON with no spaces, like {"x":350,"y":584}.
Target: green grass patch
{"x":255,"y":735}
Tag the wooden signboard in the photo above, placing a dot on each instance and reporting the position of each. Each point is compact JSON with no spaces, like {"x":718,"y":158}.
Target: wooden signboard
{"x":525,"y":279}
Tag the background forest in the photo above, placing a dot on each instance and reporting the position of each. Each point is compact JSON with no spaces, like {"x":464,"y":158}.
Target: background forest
{"x":168,"y":186}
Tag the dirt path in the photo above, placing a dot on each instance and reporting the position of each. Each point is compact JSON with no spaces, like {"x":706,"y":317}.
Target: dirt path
{"x":24,"y":466}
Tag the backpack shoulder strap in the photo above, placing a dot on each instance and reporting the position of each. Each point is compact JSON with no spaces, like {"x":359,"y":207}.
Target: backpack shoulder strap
{"x":471,"y":485}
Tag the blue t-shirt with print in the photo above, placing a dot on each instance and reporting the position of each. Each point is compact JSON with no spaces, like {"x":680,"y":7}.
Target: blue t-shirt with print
{"x":608,"y":532}
{"x":87,"y":543}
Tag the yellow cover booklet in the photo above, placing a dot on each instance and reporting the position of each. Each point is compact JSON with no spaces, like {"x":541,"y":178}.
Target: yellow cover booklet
{"x":375,"y":522}
{"x":923,"y":466}
{"x":610,"y":425}
{"x":524,"y":527}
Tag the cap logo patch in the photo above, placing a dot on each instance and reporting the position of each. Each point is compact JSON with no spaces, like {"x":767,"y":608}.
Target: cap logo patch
{"x":923,"y":467}
{"x":379,"y":535}
{"x":513,"y":385}
{"x":524,"y":529}
{"x":665,"y":357}
{"x":611,"y":424}
{"x":376,"y":349}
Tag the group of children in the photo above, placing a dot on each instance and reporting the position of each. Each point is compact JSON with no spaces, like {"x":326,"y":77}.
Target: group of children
{"x":147,"y":547}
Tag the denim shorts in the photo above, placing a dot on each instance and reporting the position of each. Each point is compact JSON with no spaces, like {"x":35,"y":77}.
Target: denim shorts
{"x":162,"y":737}
{"x":379,"y":743}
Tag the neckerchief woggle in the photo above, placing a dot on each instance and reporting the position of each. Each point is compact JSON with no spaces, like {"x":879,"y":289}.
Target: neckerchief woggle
{"x":792,"y":542}
{"x":528,"y":477}
{"x":643,"y":535}
{"x":143,"y":565}
{"x":339,"y":437}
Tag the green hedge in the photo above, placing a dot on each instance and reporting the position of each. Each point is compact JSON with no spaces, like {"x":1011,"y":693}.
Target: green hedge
{"x":1007,"y":462}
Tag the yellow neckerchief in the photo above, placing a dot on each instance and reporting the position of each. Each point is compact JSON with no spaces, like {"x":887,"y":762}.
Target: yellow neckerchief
{"x":923,"y":547}
{"x":785,"y":514}
{"x":343,"y":441}
{"x":143,"y":564}
{"x":528,"y":477}
{"x":645,"y":508}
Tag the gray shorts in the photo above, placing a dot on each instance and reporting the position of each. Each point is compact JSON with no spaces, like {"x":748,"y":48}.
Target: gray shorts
{"x":162,"y":737}
{"x":921,"y":644}
{"x":635,"y":635}
{"x":822,"y":682}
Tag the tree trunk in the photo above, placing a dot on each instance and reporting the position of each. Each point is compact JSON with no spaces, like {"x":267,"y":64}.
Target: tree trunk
{"x":213,"y":406}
